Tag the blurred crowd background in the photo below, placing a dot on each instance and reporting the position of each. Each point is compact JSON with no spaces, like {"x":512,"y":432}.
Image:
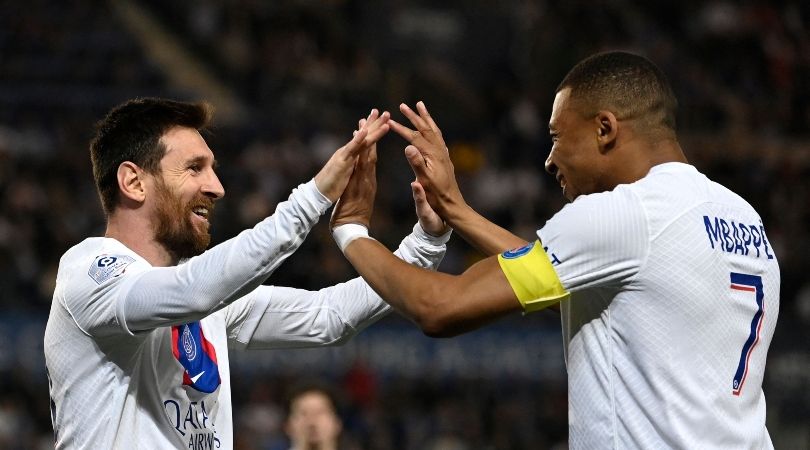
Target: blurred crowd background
{"x":290,"y":78}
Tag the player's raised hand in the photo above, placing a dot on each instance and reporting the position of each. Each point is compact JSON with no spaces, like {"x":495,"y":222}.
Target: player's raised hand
{"x":357,"y":202}
{"x":429,"y":159}
{"x":428,"y":219}
{"x":332,"y":179}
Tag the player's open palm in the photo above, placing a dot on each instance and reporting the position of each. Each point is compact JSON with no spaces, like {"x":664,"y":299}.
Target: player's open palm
{"x":429,"y":158}
{"x":334,"y":176}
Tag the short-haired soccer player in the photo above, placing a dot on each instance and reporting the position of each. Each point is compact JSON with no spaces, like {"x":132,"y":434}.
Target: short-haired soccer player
{"x":666,"y":282}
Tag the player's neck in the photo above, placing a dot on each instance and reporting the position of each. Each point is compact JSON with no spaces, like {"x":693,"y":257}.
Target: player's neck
{"x":636,"y":163}
{"x":136,"y":233}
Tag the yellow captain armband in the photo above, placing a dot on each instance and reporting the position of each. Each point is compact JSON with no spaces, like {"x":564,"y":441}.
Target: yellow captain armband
{"x":532,"y":277}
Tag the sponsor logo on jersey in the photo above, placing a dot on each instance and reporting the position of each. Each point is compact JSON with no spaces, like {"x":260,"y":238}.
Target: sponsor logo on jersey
{"x":105,"y":267}
{"x":192,"y":421}
{"x":197,"y":356}
{"x":736,"y":237}
{"x":518,"y":252}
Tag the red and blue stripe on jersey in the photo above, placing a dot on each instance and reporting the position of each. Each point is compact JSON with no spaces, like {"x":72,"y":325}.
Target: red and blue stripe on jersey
{"x":197,"y":356}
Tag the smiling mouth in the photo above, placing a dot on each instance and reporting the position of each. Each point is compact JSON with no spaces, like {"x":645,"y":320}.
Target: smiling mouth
{"x":201,"y":212}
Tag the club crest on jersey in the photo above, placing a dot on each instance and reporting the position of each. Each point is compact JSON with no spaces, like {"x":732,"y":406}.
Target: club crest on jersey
{"x":518,"y":252}
{"x":105,"y":267}
{"x":197,"y":356}
{"x":189,"y":346}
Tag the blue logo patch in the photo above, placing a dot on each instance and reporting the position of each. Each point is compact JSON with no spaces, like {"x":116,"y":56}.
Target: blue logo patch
{"x":189,"y":346}
{"x":105,"y":267}
{"x":518,"y":252}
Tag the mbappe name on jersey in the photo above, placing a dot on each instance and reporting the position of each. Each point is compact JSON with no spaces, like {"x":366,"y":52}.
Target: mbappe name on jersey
{"x":733,"y":236}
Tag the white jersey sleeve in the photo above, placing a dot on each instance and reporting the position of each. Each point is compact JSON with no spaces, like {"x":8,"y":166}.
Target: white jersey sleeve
{"x":117,"y":291}
{"x":277,"y":317}
{"x":599,"y":240}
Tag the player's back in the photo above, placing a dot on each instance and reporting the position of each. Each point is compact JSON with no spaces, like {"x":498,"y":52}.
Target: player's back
{"x":678,"y":351}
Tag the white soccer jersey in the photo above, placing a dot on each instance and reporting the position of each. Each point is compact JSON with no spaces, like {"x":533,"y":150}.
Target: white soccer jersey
{"x":674,"y":299}
{"x":137,"y":355}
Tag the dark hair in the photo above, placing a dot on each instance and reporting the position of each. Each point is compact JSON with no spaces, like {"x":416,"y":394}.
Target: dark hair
{"x":629,"y":85}
{"x":305,"y":387}
{"x":131,"y":132}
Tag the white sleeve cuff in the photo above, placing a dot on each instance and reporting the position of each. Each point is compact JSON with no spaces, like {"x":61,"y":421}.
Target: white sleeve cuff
{"x":313,"y":198}
{"x":422,"y":235}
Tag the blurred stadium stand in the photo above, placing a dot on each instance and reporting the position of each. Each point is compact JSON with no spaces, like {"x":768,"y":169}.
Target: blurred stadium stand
{"x":291,"y":77}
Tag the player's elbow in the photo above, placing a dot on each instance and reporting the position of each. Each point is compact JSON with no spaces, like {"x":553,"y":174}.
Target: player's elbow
{"x":437,"y":317}
{"x":440,"y":328}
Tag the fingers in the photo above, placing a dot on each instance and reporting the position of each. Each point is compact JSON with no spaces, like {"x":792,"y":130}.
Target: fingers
{"x":353,"y":147}
{"x":406,"y":133}
{"x":376,"y":125}
{"x":423,"y":112}
{"x":373,"y":127}
{"x":416,"y":120}
{"x":377,"y":132}
{"x":372,"y":116}
{"x":416,"y":160}
{"x":419,"y":196}
{"x":427,"y":135}
{"x":422,"y":121}
{"x":423,"y":209}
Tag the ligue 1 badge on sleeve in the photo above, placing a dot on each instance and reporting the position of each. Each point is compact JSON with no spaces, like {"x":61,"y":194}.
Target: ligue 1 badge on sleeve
{"x":518,"y":252}
{"x":105,"y":267}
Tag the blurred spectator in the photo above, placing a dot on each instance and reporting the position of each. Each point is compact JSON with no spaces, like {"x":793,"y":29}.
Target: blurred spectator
{"x":312,"y":419}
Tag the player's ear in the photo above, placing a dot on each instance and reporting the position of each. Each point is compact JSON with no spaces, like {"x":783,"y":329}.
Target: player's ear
{"x":607,"y":130}
{"x":131,"y":182}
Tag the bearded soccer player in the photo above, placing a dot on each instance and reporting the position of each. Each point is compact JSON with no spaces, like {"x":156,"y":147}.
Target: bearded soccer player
{"x":142,"y":318}
{"x":666,"y":282}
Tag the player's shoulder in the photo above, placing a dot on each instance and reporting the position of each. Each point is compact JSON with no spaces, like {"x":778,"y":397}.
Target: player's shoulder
{"x":617,"y":204}
{"x":682,"y":183}
{"x":95,"y":261}
{"x":674,"y":189}
{"x":639,"y":205}
{"x":598,"y":216}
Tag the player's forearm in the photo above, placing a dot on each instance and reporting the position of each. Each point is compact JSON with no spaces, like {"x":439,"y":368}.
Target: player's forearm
{"x":412,"y":291}
{"x":479,"y":232}
{"x":226,"y":272}
{"x":440,"y":304}
{"x":330,"y":316}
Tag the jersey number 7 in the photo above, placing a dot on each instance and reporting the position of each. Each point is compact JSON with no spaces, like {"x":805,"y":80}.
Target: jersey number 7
{"x":753,"y":284}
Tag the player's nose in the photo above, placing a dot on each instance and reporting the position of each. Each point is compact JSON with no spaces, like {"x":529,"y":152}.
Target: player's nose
{"x":212,"y":187}
{"x":551,"y":168}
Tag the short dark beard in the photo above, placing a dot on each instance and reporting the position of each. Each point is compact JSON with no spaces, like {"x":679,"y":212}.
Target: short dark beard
{"x":174,"y":228}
